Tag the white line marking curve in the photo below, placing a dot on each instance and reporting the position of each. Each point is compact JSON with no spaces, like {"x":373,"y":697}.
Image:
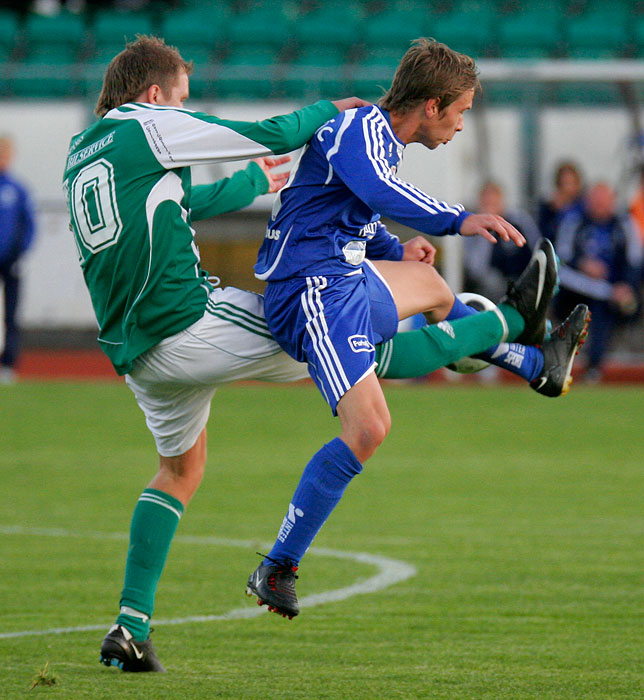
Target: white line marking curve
{"x":390,"y":572}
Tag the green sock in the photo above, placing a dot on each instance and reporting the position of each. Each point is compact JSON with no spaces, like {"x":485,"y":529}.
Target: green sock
{"x":154,"y":523}
{"x":417,"y":353}
{"x":514,"y":321}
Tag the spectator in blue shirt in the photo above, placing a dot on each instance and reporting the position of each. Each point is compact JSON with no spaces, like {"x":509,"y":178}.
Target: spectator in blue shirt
{"x":16,"y":235}
{"x":566,"y":197}
{"x":602,"y":257}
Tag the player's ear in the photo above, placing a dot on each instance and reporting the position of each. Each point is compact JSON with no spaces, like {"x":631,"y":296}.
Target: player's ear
{"x":154,"y":94}
{"x":432,"y":107}
{"x":149,"y":96}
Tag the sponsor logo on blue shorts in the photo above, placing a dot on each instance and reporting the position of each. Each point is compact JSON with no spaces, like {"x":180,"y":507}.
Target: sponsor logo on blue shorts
{"x":360,"y":343}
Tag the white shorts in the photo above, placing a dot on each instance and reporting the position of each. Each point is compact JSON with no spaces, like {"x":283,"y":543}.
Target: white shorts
{"x":174,"y":381}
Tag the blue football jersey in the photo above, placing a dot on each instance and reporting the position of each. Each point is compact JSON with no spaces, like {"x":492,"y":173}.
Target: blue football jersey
{"x":326,"y":219}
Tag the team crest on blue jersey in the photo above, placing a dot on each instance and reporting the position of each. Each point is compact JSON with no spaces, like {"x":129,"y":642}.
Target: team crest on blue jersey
{"x":354,"y":252}
{"x":360,"y":343}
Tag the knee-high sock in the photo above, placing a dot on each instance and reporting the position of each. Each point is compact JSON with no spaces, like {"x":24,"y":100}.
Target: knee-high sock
{"x":526,"y":361}
{"x":419,"y":352}
{"x":321,"y":486}
{"x":153,"y":525}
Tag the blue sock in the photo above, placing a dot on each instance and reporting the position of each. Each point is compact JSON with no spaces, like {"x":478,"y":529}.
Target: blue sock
{"x":524,"y":360}
{"x":321,"y":487}
{"x":460,"y":310}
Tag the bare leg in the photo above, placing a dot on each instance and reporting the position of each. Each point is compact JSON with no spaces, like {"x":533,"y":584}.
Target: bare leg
{"x":180,"y":476}
{"x":364,"y":417}
{"x":417,"y":287}
{"x":154,"y":523}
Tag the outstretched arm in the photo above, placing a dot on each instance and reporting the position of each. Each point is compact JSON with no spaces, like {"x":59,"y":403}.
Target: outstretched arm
{"x":360,"y":153}
{"x":180,"y":138}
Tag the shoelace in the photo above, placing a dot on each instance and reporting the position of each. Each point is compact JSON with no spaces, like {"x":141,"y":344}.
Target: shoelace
{"x":285,"y":566}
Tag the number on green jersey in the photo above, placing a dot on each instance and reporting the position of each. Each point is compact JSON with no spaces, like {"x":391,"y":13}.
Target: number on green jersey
{"x":94,"y":207}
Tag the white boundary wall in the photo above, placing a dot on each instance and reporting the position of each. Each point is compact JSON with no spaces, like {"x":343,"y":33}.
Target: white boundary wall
{"x":55,"y":295}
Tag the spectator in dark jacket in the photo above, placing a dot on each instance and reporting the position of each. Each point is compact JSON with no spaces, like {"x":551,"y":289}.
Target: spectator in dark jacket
{"x":16,"y":235}
{"x":602,"y":257}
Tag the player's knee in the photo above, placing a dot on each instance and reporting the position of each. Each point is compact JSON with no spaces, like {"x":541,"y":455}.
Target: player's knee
{"x":186,"y":471}
{"x":369,"y":436}
{"x":375,"y":435}
{"x":383,"y":431}
{"x":189,"y":473}
{"x":443,"y":298}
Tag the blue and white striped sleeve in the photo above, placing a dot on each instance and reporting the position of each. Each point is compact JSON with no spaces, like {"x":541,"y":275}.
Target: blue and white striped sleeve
{"x":357,"y":155}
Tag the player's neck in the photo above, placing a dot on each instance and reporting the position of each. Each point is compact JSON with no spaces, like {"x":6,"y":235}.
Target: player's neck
{"x":405,"y":126}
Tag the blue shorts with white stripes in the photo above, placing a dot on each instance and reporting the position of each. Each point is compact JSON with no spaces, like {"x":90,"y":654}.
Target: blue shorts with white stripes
{"x":332,"y":324}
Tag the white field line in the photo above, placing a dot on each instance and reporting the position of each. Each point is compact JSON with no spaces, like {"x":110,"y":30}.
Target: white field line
{"x":390,"y":572}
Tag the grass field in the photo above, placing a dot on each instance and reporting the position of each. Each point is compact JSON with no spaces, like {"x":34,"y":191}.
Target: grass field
{"x":522,"y":517}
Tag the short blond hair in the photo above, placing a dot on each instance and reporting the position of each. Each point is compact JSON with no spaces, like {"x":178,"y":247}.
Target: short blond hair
{"x":144,"y":62}
{"x":430,"y":70}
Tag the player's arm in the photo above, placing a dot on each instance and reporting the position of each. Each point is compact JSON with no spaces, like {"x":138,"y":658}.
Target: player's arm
{"x":288,"y":132}
{"x":180,"y":138}
{"x":359,"y":159}
{"x":384,"y":245}
{"x":228,"y":194}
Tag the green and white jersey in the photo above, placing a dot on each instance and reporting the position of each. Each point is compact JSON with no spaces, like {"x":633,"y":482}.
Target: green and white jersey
{"x":128,"y":188}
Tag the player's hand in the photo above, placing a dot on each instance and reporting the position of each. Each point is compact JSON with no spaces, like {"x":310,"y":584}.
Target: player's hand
{"x":275,"y":180}
{"x":485,"y":224}
{"x":419,"y":249}
{"x":350,"y":103}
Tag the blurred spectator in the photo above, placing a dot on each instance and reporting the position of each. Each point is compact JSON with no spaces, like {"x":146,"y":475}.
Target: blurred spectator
{"x":566,"y":197}
{"x":16,"y":235}
{"x":637,"y":207}
{"x":53,"y":7}
{"x":603,"y":257}
{"x":489,"y":267}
